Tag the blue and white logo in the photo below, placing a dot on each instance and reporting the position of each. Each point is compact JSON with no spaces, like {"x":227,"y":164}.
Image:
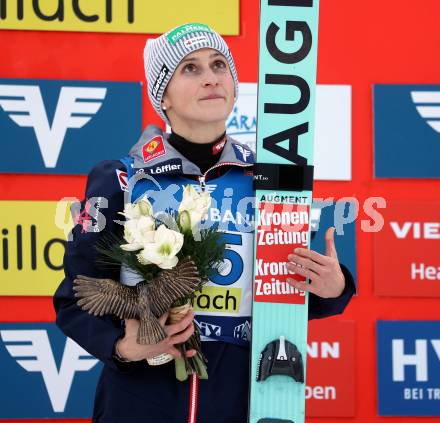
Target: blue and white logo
{"x":47,"y":374}
{"x":408,"y":354}
{"x":428,"y":105}
{"x":243,"y":331}
{"x":243,"y":154}
{"x":66,"y":126}
{"x":24,"y":105}
{"x":208,"y":329}
{"x":406,"y":131}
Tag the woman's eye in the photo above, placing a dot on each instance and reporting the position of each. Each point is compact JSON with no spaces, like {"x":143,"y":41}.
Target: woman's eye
{"x":219,"y":64}
{"x":189,"y":68}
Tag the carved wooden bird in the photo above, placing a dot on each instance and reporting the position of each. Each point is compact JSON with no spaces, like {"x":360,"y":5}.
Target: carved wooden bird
{"x":146,"y":301}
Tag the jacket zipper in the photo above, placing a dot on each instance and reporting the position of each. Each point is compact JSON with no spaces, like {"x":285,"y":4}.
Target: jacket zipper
{"x":202,"y":182}
{"x":202,"y":178}
{"x":194,"y":385}
{"x":193,"y":398}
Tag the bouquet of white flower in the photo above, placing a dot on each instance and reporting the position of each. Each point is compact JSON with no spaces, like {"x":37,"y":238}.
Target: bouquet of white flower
{"x":172,"y":258}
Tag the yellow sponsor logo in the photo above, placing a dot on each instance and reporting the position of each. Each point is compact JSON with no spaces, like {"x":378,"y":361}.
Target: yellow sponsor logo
{"x":133,"y":16}
{"x":218,"y":299}
{"x":32,"y":246}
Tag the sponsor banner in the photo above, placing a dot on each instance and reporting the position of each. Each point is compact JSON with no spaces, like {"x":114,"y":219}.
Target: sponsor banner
{"x":66,"y":127}
{"x":408,"y":368}
{"x":406,"y":131}
{"x":332,"y":129}
{"x":32,"y":246}
{"x":218,"y":299}
{"x":132,"y":16}
{"x":59,"y":377}
{"x":330,"y":390}
{"x":281,"y":227}
{"x":44,"y":374}
{"x":406,"y":258}
{"x":236,"y":328}
{"x":326,"y":214}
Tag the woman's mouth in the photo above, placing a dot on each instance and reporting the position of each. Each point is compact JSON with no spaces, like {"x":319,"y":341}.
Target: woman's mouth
{"x":212,"y":97}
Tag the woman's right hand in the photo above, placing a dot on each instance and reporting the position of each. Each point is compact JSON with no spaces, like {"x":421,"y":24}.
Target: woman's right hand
{"x":177,"y":333}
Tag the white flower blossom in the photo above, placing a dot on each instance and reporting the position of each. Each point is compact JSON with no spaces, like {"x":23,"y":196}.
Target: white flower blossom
{"x":162,"y":251}
{"x":138,"y":232}
{"x":134,"y":211}
{"x":197,"y":205}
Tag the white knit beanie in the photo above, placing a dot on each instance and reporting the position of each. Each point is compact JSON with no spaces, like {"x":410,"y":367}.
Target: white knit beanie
{"x":162,"y":55}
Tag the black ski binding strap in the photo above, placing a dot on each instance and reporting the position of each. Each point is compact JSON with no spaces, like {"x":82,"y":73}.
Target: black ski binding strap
{"x":280,"y":357}
{"x":283,"y":177}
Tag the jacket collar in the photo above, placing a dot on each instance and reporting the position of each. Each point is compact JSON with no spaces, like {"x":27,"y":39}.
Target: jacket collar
{"x":153,"y":152}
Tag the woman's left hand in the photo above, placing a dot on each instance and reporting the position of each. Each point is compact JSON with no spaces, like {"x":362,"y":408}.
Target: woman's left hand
{"x":324,"y":271}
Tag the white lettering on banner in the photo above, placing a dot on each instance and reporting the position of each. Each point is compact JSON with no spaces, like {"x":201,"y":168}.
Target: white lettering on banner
{"x":28,"y":99}
{"x":229,"y":217}
{"x":39,"y":357}
{"x":422,"y":272}
{"x":414,"y":394}
{"x":419,"y":359}
{"x":275,"y":286}
{"x":271,"y":268}
{"x":278,"y":237}
{"x":433,"y":393}
{"x":421,"y":393}
{"x":284,"y":218}
{"x":420,"y":230}
{"x":323,"y":350}
{"x":321,"y":392}
{"x":282,"y":199}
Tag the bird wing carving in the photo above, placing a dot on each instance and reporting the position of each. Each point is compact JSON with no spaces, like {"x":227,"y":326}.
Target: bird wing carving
{"x":172,"y":284}
{"x":106,"y":296}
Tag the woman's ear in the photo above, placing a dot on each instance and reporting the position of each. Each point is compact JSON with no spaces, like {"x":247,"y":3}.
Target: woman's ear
{"x":164,"y":104}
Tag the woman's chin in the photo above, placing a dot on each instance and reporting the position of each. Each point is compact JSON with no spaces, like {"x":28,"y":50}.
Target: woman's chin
{"x":210,"y":114}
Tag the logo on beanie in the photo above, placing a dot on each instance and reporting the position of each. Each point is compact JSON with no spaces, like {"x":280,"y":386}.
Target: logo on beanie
{"x":183,"y":30}
{"x":159,"y":81}
{"x":153,"y":149}
{"x":194,"y":41}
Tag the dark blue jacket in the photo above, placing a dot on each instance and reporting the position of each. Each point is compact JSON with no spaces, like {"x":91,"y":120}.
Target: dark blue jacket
{"x":137,"y":392}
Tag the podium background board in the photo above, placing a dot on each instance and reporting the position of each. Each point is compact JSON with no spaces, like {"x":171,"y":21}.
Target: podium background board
{"x":351,"y":52}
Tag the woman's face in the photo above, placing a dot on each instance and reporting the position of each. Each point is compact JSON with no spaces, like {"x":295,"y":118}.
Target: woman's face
{"x":201,"y":90}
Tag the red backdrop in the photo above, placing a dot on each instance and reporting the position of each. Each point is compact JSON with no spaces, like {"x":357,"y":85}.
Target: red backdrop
{"x":360,"y":43}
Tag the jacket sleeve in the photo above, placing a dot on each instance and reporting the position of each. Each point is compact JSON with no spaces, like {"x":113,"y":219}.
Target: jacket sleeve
{"x":324,"y":307}
{"x":104,"y":199}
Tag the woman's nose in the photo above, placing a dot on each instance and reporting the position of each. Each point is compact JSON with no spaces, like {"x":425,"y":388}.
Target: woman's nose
{"x":210,"y":77}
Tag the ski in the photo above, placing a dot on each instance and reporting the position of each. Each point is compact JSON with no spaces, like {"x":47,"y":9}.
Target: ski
{"x":283,"y":182}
